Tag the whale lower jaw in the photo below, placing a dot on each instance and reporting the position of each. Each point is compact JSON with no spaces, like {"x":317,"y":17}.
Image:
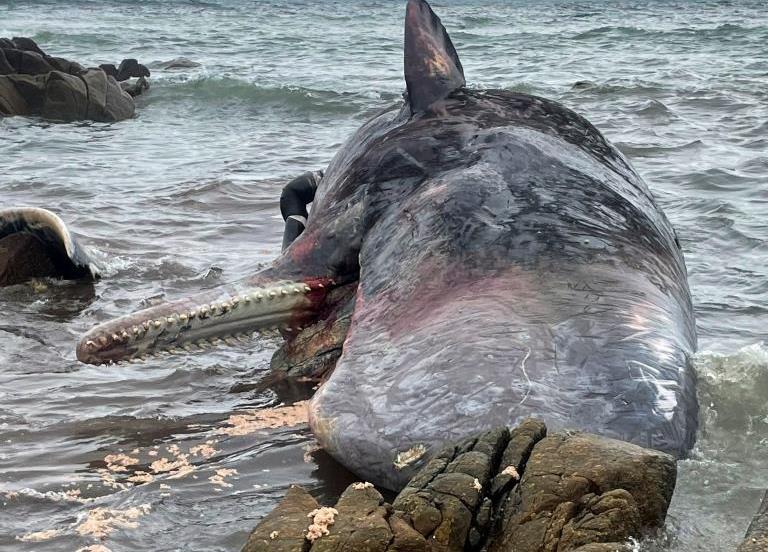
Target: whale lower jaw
{"x":226,"y":315}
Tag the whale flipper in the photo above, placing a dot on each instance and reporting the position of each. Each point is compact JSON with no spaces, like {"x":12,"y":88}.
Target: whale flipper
{"x":35,"y":243}
{"x":432,"y":66}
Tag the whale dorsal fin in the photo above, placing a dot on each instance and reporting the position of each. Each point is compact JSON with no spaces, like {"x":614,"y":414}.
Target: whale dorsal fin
{"x":432,"y":66}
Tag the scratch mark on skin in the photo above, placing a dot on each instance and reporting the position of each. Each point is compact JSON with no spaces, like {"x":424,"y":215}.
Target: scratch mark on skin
{"x":527,"y":379}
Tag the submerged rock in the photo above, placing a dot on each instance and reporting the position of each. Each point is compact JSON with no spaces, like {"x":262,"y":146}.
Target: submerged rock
{"x":502,"y":490}
{"x":34,"y":83}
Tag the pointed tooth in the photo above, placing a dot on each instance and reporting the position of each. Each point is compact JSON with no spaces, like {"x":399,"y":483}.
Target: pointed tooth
{"x":90,"y":344}
{"x":183,"y":318}
{"x":272,"y":294}
{"x":136,"y":331}
{"x":125,"y":335}
{"x":247,"y":299}
{"x":147,"y":324}
{"x":216,"y":341}
{"x":230,"y":340}
{"x":170,"y":320}
{"x":306,"y":288}
{"x":103,"y":339}
{"x":320,"y":286}
{"x":284,"y":292}
{"x":157,"y":323}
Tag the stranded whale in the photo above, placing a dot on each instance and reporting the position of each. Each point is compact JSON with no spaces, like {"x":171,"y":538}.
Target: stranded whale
{"x":509,"y":263}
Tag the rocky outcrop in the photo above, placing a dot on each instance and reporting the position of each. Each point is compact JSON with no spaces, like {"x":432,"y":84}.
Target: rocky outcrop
{"x":756,"y":539}
{"x":503,"y":490}
{"x":34,"y":83}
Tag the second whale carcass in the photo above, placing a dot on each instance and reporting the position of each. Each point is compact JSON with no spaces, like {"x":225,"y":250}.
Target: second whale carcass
{"x":509,"y":263}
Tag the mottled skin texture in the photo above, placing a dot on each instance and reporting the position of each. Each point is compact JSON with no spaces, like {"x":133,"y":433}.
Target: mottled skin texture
{"x":512,"y":264}
{"x":509,"y":261}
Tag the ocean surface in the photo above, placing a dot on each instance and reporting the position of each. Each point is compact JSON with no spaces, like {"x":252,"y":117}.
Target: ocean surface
{"x":185,"y":196}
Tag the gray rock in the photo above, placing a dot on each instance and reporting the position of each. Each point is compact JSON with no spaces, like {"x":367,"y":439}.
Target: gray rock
{"x":284,"y":528}
{"x":27,"y":63}
{"x":578,"y":489}
{"x":66,"y":97}
{"x":33,"y":83}
{"x":26,"y":44}
{"x":130,"y":68}
{"x":11,"y":101}
{"x":178,"y":63}
{"x":107,"y":101}
{"x":5,"y":66}
{"x":577,"y":492}
{"x":136,"y":88}
{"x":446,"y":499}
{"x":361,"y":524}
{"x":65,"y":65}
{"x":756,"y":539}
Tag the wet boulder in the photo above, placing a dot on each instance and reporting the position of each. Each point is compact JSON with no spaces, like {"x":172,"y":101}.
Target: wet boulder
{"x":580,"y":489}
{"x":130,"y":68}
{"x":360,"y":522}
{"x":285,"y":527}
{"x":34,"y":83}
{"x":503,"y":490}
{"x":756,"y":539}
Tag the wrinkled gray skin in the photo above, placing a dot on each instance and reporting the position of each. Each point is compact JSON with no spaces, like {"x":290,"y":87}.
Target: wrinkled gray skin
{"x":510,"y":263}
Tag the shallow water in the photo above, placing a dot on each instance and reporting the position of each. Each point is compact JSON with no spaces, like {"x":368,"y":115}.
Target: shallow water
{"x":185,"y":197}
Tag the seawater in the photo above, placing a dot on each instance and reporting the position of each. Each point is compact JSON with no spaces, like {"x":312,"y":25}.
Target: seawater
{"x":184,"y":197}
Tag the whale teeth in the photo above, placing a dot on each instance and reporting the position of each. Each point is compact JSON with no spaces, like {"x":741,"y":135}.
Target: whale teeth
{"x":103,"y":339}
{"x":320,"y":286}
{"x":183,"y":318}
{"x":90,"y":344}
{"x":272,"y":294}
{"x":230,"y":340}
{"x":124,"y":335}
{"x":147,"y":324}
{"x":157,"y":324}
{"x":284,"y":292}
{"x":170,"y":320}
{"x":306,"y":288}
